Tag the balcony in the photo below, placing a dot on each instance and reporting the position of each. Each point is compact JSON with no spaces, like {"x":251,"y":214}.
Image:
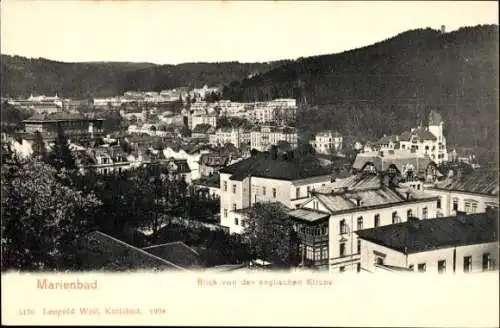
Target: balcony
{"x":310,"y":239}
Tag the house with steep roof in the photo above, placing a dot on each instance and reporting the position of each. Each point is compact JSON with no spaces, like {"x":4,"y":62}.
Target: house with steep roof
{"x":469,"y":193}
{"x":267,"y":178}
{"x":326,"y":142}
{"x":75,"y":126}
{"x":428,"y":140}
{"x":461,"y":244}
{"x":411,"y":167}
{"x":327,"y":222}
{"x":212,"y":162}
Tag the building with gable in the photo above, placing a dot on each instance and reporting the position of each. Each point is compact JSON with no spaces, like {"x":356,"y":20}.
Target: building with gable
{"x":326,"y":223}
{"x":266,"y":178}
{"x":461,"y":244}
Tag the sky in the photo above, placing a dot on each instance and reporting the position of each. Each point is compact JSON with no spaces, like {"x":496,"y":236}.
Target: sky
{"x":171,"y":32}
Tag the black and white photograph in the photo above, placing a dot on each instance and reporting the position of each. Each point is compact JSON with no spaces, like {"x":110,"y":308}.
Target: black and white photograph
{"x":333,"y":138}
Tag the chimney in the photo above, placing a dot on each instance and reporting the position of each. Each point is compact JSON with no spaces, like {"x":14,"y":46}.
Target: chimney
{"x":443,"y":29}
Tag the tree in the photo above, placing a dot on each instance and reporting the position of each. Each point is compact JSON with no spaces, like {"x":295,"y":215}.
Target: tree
{"x":39,"y":148}
{"x":61,"y":156}
{"x":43,"y":220}
{"x":269,"y":233}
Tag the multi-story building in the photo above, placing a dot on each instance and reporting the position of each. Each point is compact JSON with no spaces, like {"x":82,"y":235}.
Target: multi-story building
{"x":212,"y":162}
{"x":326,"y":142}
{"x":40,"y":104}
{"x":264,"y":178}
{"x":462,"y":244}
{"x":469,"y":193}
{"x":412,"y":167}
{"x":277,"y":111}
{"x":429,"y":140}
{"x":233,"y":136}
{"x":266,"y":136}
{"x":328,"y":221}
{"x":75,"y":126}
{"x":194,"y":120}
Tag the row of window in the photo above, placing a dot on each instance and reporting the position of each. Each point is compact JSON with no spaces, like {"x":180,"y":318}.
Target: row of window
{"x":487,"y":264}
{"x":376,"y":220}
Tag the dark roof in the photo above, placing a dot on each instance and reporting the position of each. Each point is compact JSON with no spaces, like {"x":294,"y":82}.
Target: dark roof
{"x":176,"y":252}
{"x":478,"y":181}
{"x":400,"y":160}
{"x":101,"y":251}
{"x":211,"y":181}
{"x":214,"y":159}
{"x":265,"y":166}
{"x":429,"y":234}
{"x":419,"y":134}
{"x":202,"y":128}
{"x":182,"y":165}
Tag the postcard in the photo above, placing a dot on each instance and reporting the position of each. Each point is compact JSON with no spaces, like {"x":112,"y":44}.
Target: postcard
{"x":272,"y":163}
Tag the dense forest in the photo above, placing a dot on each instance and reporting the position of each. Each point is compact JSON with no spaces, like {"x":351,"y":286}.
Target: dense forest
{"x":364,"y":92}
{"x":380,"y":89}
{"x":22,"y":76}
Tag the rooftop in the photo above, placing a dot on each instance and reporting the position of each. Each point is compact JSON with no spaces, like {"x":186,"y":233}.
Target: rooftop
{"x":265,"y":166}
{"x":368,"y":191}
{"x":430,"y":234}
{"x":176,"y":252}
{"x":481,"y":181}
{"x":308,"y":215}
{"x":398,"y":158}
{"x":101,"y":251}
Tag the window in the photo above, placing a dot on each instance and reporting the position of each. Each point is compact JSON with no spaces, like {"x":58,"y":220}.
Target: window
{"x":424,"y":213}
{"x":421,"y":267}
{"x":274,"y":192}
{"x":297,"y":192}
{"x":455,"y":204}
{"x":441,"y":266}
{"x":411,"y":267}
{"x":418,"y":186}
{"x":342,"y":227}
{"x":234,"y":189}
{"x":438,"y":205}
{"x":379,"y":260}
{"x":395,"y":218}
{"x":409,"y":213}
{"x":467,"y":263}
{"x":487,"y":262}
{"x":309,"y":253}
{"x":360,"y":223}
{"x":225,"y":213}
{"x":234,"y":207}
{"x":342,"y":249}
{"x":225,"y":185}
{"x":342,"y":269}
{"x":376,"y":220}
{"x":470,"y":206}
{"x":317,"y":254}
{"x":264,"y":191}
{"x":324,"y":253}
{"x":358,"y":267}
{"x":236,"y":221}
{"x":359,"y":246}
{"x":308,"y":191}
